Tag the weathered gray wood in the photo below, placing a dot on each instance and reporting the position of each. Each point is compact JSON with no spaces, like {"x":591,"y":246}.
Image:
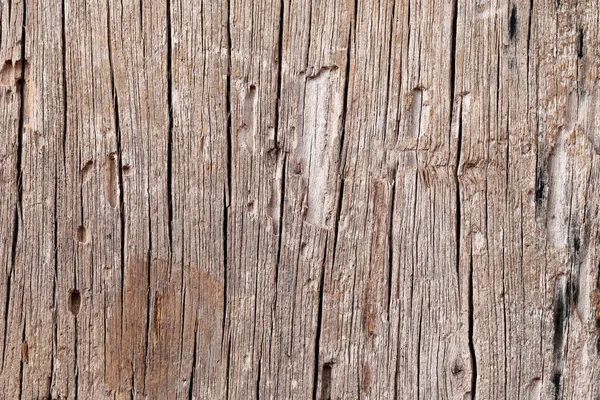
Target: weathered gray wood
{"x":12,"y":92}
{"x":285,"y":199}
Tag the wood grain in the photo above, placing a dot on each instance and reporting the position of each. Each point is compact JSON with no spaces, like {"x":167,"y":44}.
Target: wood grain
{"x":315,"y":200}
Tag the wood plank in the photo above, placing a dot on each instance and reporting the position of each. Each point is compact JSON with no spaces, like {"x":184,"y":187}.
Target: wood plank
{"x":283,"y":199}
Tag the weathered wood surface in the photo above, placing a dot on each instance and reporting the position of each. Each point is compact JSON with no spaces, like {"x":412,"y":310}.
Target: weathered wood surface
{"x":300,"y":199}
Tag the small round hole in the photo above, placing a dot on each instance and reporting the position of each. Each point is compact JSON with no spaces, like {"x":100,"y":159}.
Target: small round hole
{"x":82,"y":235}
{"x":74,"y":301}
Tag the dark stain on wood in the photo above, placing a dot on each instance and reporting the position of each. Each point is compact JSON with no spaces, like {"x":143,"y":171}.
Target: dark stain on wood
{"x":540,"y":188}
{"x":560,"y":313}
{"x":512,"y":23}
{"x":576,"y":247}
{"x":143,"y":344}
{"x":598,"y":275}
{"x":82,"y":236}
{"x":560,"y":317}
{"x":572,"y":290}
{"x":74,"y":302}
{"x":581,"y":44}
{"x":326,"y":381}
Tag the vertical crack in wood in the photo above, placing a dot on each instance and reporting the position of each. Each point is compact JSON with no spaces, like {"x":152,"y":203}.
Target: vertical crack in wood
{"x":280,"y":223}
{"x":389,"y":69}
{"x":75,"y":362}
{"x":355,"y":15}
{"x":9,"y":4}
{"x":279,"y":63}
{"x":530,"y":15}
{"x":391,"y":246}
{"x":148,"y":304}
{"x":458,"y":232}
{"x":597,"y":314}
{"x":512,"y":23}
{"x":505,"y":320}
{"x":194,"y":355}
{"x":459,"y":141}
{"x":21,"y":367}
{"x":560,"y":315}
{"x":141,"y":16}
{"x":63,"y":43}
{"x":350,"y":336}
{"x":580,"y":44}
{"x":19,"y":207}
{"x":295,"y":289}
{"x":227,"y":369}
{"x":308,"y":35}
{"x":182,"y":297}
{"x":457,"y":200}
{"x":452,"y":76}
{"x":19,"y":176}
{"x":471,"y":325}
{"x":385,"y":118}
{"x":8,"y":285}
{"x":571,"y":287}
{"x":319,"y":322}
{"x":419,"y":350}
{"x":539,"y":184}
{"x":64,"y":148}
{"x":170,"y":134}
{"x":341,"y":167}
{"x":170,"y":165}
{"x":117,"y":126}
{"x":278,"y":147}
{"x":409,"y":32}
{"x":54,"y":281}
{"x":225,"y":265}
{"x":227,"y":199}
{"x":104,"y":346}
{"x":21,"y":88}
{"x":225,"y":221}
{"x":258,"y":379}
{"x":255,"y":315}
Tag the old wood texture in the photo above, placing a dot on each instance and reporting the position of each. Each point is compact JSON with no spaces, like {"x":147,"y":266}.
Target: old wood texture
{"x":240,"y":199}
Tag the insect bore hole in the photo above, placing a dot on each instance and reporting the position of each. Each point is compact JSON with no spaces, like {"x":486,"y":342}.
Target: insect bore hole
{"x":74,"y":301}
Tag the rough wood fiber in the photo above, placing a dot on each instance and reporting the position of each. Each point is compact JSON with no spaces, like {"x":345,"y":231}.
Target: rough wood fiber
{"x":286,"y":199}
